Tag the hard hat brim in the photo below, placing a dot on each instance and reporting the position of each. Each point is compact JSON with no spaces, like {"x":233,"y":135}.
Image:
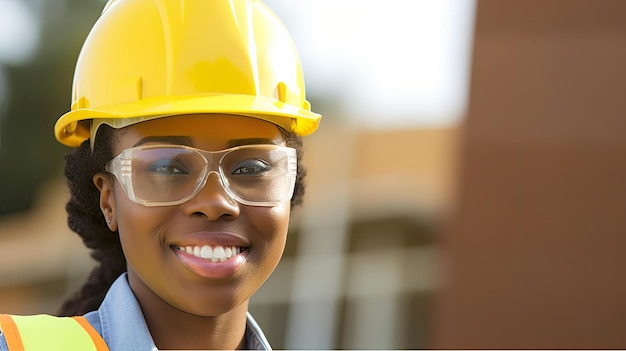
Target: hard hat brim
{"x":73,"y":127}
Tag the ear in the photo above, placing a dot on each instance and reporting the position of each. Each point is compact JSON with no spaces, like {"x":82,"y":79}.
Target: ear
{"x":103,"y":182}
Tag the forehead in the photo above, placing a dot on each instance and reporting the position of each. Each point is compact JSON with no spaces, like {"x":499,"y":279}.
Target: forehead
{"x":205,"y":131}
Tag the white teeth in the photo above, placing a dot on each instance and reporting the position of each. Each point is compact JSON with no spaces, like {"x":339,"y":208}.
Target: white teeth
{"x":206,"y":252}
{"x":219,"y":253}
{"x":213,"y":254}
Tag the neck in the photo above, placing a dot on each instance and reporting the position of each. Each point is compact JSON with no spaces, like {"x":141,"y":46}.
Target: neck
{"x":186,"y":331}
{"x":172,"y":328}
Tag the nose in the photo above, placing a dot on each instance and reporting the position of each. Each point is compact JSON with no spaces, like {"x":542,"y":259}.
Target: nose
{"x":212,"y":201}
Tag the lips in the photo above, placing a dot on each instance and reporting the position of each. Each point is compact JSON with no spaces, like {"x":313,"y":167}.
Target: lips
{"x":212,"y":255}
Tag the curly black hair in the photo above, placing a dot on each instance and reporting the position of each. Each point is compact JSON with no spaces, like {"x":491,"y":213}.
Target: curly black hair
{"x":86,"y":219}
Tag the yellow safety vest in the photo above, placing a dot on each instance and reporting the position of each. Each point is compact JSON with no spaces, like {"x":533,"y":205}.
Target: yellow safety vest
{"x":45,"y":332}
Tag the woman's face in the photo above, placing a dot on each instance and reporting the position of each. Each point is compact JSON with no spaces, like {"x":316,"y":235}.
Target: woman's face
{"x":155,"y":239}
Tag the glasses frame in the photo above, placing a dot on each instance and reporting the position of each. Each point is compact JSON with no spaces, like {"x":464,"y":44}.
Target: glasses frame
{"x":120,"y":167}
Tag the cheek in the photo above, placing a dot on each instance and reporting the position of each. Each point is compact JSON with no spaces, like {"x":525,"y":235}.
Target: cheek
{"x":138,"y":225}
{"x":276,"y":218}
{"x":272,"y":225}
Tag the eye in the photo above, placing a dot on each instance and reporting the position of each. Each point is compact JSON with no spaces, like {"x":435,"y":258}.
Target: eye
{"x":252,"y":167}
{"x":167,"y":167}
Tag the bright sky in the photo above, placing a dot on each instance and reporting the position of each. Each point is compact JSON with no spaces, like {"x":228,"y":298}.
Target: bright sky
{"x":395,"y":62}
{"x":19,"y":32}
{"x":19,"y":36}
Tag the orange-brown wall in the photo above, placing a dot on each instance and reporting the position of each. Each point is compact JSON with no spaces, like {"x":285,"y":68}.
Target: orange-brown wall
{"x":535,"y":256}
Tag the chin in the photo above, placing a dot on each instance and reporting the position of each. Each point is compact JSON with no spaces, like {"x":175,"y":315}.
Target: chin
{"x":212,"y":303}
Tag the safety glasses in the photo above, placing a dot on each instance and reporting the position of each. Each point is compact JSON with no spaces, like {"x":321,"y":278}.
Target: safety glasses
{"x":165,"y":175}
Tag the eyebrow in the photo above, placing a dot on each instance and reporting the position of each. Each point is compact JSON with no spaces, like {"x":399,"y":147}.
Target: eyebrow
{"x":251,"y":141}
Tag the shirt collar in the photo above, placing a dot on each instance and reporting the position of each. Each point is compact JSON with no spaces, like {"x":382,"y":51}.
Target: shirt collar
{"x":120,"y":322}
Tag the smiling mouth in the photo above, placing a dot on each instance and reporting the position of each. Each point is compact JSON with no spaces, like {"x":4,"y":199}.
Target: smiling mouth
{"x":212,"y":253}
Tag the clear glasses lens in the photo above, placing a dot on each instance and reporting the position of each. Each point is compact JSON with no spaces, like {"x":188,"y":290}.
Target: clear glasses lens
{"x":260,"y":175}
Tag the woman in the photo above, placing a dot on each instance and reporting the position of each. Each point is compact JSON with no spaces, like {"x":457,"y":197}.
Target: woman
{"x":187,"y":116}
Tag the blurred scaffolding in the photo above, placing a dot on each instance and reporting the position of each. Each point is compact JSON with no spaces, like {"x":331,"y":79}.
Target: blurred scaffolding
{"x":434,"y":218}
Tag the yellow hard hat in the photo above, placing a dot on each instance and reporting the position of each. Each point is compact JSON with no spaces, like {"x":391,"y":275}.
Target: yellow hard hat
{"x":147,"y":59}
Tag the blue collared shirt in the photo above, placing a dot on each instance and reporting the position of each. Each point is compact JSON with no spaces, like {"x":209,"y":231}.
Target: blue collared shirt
{"x":120,"y":322}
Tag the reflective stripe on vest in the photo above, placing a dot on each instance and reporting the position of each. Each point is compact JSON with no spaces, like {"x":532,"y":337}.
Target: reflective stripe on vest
{"x":45,"y":332}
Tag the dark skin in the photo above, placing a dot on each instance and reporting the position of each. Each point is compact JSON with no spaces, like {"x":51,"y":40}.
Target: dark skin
{"x":182,"y":308}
